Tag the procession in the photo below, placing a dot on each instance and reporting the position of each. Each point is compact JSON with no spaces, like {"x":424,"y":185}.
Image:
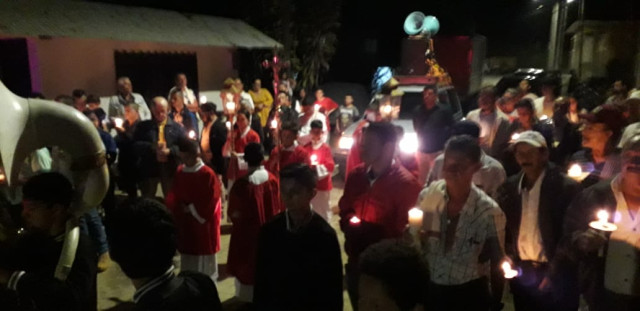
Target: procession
{"x":433,"y":187}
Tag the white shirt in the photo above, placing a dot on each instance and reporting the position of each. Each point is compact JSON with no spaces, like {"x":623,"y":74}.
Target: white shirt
{"x":622,"y":265}
{"x":305,"y":130}
{"x":116,"y":106}
{"x":188,"y":95}
{"x":488,"y":178}
{"x":247,"y":101}
{"x":529,"y":238}
{"x":480,"y":231}
{"x":489,"y":125}
{"x":543,"y":107}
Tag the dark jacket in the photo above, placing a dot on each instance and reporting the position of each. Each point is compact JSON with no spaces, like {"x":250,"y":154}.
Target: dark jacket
{"x":189,"y":120}
{"x":146,"y":142}
{"x":298,"y":271}
{"x":432,"y":127}
{"x":556,"y":193}
{"x":217,"y":139}
{"x":37,"y":289}
{"x":188,"y":291}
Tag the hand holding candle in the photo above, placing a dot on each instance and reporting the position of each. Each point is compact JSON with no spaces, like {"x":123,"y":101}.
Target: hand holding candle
{"x":603,"y":224}
{"x":231,"y":107}
{"x":515,"y":136}
{"x":509,"y":272}
{"x":274,"y":124}
{"x":314,"y":159}
{"x":354,"y":221}
{"x":575,"y":173}
{"x":415,"y":218}
{"x":192,"y":135}
{"x":228,"y":124}
{"x":118,"y":122}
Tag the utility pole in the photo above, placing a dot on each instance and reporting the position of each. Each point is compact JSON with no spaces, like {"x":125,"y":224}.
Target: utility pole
{"x":557,"y":34}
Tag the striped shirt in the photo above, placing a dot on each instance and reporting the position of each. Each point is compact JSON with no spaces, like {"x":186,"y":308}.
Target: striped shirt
{"x":479,"y":235}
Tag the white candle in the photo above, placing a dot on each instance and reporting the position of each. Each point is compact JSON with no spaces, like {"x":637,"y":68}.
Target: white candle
{"x":515,"y":136}
{"x":203,"y":99}
{"x":118,"y":122}
{"x":274,"y":124}
{"x":415,"y":217}
{"x":192,"y":134}
{"x":231,"y":106}
{"x":228,"y":124}
{"x":509,"y":272}
{"x":575,"y":171}
{"x":316,"y":107}
{"x":355,"y":220}
{"x":314,"y":159}
{"x":387,"y":109}
{"x":603,"y":223}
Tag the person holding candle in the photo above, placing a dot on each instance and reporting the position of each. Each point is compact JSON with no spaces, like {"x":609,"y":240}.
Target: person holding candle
{"x":188,"y":96}
{"x":181,"y":115}
{"x":308,"y":115}
{"x":462,"y":234}
{"x":609,"y":261}
{"x":127,"y":159}
{"x":238,"y":139}
{"x":298,"y":265}
{"x":377,"y":197}
{"x":288,"y":152}
{"x":322,"y":162}
{"x":535,"y":201}
{"x":213,"y":137}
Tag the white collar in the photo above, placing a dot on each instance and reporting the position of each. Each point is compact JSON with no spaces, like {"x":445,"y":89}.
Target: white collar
{"x":259,"y":176}
{"x":535,"y":184}
{"x":193,"y":169}
{"x":167,"y":276}
{"x":292,"y":147}
{"x":317,"y":145}
{"x":246,"y":131}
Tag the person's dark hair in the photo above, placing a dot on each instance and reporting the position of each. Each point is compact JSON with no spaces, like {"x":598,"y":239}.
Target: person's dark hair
{"x":301,"y":173}
{"x":489,"y":90}
{"x":77,"y":93}
{"x":64,"y":99}
{"x":290,"y":126}
{"x":525,"y":103}
{"x":90,"y":115}
{"x":466,"y":127}
{"x":385,"y":131}
{"x":316,"y":124}
{"x":142,"y":238}
{"x":93,"y":99}
{"x":208,"y":108}
{"x":49,"y":188}
{"x":401,"y":270}
{"x":246,"y":113}
{"x":187,"y":145}
{"x":466,"y":145}
{"x":178,"y":74}
{"x":431,"y":87}
{"x":285,"y":94}
{"x":254,"y":154}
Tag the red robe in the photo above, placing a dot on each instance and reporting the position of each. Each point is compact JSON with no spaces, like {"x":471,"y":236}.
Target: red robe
{"x":327,"y":104}
{"x":202,"y":189}
{"x":250,"y":206}
{"x":298,"y":155}
{"x":383,"y":207}
{"x":324,"y":158}
{"x":233,"y":172}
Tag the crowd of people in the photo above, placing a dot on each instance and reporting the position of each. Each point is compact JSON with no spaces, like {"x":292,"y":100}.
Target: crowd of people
{"x":506,"y":196}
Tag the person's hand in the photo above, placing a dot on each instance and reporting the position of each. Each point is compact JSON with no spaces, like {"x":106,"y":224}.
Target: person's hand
{"x":545,"y":285}
{"x":589,"y":241}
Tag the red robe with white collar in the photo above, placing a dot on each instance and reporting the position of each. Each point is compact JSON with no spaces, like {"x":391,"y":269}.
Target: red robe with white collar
{"x":201,"y":188}
{"x":238,"y":145}
{"x":299,"y":154}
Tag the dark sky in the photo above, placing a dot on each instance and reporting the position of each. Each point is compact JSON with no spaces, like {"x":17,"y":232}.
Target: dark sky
{"x":511,"y":26}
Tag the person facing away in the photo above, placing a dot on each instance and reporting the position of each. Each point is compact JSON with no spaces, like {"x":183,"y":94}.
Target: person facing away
{"x":27,"y":268}
{"x":377,"y":197}
{"x":142,"y":238}
{"x":535,"y":202}
{"x":462,"y":234}
{"x":253,"y":200}
{"x":213,"y":137}
{"x":488,"y":178}
{"x":155,"y":144}
{"x":299,"y":264}
{"x":321,"y":161}
{"x":609,"y":261}
{"x":394,"y":277}
{"x":126,"y":94}
{"x":194,"y":202}
{"x":288,"y":151}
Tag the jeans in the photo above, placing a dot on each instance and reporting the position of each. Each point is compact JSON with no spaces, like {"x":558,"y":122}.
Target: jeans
{"x":91,"y":225}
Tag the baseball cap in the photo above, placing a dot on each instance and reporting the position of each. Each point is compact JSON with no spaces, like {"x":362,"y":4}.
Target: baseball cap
{"x":607,"y":114}
{"x":532,"y":138}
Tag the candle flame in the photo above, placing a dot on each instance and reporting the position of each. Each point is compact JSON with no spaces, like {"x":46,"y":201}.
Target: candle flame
{"x":2,"y":177}
{"x":515,"y":136}
{"x":274,"y":124}
{"x":603,"y":216}
{"x":314,"y":158}
{"x":415,"y":213}
{"x":575,"y":170}
{"x":544,"y":117}
{"x":355,"y":220}
{"x":231,"y":106}
{"x":118,"y":122}
{"x":203,"y":99}
{"x":228,"y":124}
{"x":192,"y":134}
{"x":387,"y":109}
{"x":316,"y":107}
{"x":509,"y":272}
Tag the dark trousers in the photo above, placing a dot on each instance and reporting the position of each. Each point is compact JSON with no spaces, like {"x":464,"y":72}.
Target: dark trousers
{"x":470,"y":296}
{"x":149,"y":186}
{"x":526,"y":296}
{"x":352,"y":276}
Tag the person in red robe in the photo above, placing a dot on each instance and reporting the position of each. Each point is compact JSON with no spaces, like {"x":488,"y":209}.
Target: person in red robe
{"x":239,"y":138}
{"x":194,"y":201}
{"x":288,"y":152}
{"x":377,"y":197}
{"x":326,"y":104}
{"x":253,"y":200}
{"x":323,"y":164}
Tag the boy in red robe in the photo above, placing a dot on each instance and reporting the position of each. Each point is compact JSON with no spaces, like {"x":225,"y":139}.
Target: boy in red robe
{"x":239,"y":138}
{"x":377,"y":197}
{"x":288,"y":152}
{"x":323,"y":164}
{"x":194,"y":201}
{"x":254,"y":199}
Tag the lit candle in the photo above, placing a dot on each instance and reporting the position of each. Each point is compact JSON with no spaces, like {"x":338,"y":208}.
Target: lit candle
{"x":118,"y":122}
{"x":314,"y":159}
{"x":228,"y":124}
{"x":415,"y":217}
{"x":509,"y":272}
{"x":355,"y":220}
{"x":2,"y":177}
{"x":543,"y":117}
{"x":192,"y":134}
{"x":231,"y":106}
{"x":387,"y":109}
{"x":203,"y":99}
{"x":575,"y":172}
{"x":515,"y":136}
{"x":274,"y":124}
{"x":316,"y":107}
{"x":603,"y":223}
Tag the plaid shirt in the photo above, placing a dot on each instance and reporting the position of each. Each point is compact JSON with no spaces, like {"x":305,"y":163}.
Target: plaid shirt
{"x":479,"y":235}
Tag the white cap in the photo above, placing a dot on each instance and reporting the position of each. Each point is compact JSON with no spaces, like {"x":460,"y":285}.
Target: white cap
{"x":532,"y":138}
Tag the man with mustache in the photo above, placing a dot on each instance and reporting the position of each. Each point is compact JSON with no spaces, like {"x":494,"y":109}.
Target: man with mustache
{"x":534,"y":202}
{"x":609,"y":262}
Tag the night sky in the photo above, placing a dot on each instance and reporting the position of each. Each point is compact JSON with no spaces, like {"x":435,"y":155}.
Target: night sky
{"x":512,"y":27}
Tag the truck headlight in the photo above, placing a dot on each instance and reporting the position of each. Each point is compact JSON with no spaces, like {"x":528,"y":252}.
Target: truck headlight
{"x":409,"y":143}
{"x":345,"y":142}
